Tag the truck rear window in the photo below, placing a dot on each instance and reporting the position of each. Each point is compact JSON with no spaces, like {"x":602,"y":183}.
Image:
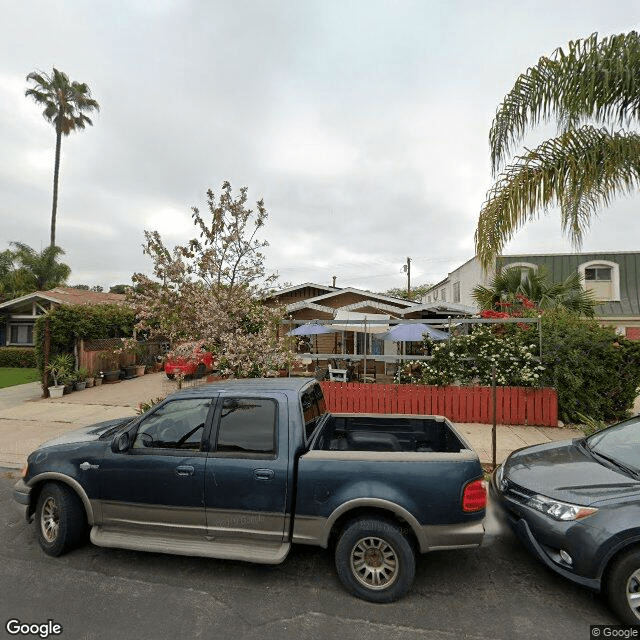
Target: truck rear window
{"x":313,"y":408}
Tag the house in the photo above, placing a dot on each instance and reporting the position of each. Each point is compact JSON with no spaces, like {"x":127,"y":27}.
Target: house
{"x":357,"y":314}
{"x":18,"y":316}
{"x":613,"y":277}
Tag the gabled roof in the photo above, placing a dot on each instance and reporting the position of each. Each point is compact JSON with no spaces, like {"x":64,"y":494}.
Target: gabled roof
{"x":68,"y":296}
{"x":366,"y":294}
{"x":312,"y":285}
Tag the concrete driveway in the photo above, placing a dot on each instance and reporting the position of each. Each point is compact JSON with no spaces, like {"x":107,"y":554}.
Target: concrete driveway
{"x":27,"y":419}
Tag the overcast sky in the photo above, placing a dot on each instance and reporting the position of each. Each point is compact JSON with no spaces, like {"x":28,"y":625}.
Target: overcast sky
{"x":363,"y":125}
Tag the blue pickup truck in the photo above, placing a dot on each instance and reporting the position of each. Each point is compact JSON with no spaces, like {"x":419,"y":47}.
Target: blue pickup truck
{"x":242,"y":469}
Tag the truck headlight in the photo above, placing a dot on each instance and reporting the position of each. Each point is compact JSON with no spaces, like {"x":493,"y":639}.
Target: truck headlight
{"x":559,"y":510}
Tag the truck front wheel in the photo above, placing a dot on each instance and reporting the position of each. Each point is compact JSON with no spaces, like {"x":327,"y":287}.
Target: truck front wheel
{"x":375,"y":560}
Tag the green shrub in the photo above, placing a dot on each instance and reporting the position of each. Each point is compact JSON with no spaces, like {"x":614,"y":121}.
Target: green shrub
{"x":595,"y":372}
{"x":17,"y":357}
{"x":70,"y":323}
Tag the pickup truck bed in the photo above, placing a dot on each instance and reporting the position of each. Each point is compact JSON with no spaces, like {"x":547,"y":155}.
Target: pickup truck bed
{"x":373,"y":432}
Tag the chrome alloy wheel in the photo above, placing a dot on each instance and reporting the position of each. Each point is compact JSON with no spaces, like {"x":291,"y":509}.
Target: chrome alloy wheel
{"x":50,"y":520}
{"x":633,"y":593}
{"x":374,"y":563}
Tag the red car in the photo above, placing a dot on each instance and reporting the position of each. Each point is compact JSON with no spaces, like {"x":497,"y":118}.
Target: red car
{"x":189,"y":359}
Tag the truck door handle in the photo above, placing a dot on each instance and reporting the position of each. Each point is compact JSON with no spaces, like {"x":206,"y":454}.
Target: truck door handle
{"x":263,"y":474}
{"x":186,"y":470}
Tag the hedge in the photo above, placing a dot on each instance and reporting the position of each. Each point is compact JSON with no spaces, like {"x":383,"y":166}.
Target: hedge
{"x":70,"y":323}
{"x":17,"y":357}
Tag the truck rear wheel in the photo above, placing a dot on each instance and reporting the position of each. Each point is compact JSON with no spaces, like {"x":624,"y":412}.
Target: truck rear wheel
{"x":374,"y":560}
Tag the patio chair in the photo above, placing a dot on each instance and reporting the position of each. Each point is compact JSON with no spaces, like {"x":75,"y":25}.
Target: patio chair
{"x":337,"y":375}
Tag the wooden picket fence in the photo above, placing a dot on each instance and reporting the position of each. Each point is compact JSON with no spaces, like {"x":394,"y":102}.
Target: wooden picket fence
{"x":514,"y":405}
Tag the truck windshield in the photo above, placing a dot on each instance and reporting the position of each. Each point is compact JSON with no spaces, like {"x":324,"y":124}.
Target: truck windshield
{"x":313,"y":408}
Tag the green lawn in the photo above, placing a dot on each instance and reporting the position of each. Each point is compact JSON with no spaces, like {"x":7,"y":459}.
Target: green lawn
{"x":10,"y":376}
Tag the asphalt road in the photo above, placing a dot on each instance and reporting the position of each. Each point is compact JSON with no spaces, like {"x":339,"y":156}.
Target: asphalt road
{"x":495,"y":592}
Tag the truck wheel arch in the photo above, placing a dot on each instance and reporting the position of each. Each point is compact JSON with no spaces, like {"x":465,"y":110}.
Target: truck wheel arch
{"x":373,"y":506}
{"x":40,"y":480}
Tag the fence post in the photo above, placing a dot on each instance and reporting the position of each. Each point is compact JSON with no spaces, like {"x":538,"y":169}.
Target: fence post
{"x":493,"y":425}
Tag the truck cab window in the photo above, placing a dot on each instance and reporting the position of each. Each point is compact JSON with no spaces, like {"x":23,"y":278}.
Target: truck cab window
{"x":175,"y":425}
{"x":247,"y":426}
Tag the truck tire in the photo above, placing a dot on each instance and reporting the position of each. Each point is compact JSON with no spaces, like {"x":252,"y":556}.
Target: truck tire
{"x":374,"y":560}
{"x":623,"y":587}
{"x":60,"y":519}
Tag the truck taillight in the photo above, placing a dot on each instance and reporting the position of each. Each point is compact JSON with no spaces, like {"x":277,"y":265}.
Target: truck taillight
{"x":474,"y":497}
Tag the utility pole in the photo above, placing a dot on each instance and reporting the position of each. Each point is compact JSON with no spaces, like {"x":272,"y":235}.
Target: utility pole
{"x":407,"y":269}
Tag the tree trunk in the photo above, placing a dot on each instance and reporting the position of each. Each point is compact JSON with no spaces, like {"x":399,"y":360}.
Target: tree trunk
{"x":56,"y":171}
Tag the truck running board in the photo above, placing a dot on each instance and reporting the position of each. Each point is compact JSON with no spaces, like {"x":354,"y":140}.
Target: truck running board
{"x":252,"y":551}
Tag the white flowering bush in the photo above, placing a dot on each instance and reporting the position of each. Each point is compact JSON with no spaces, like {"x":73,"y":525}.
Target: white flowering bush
{"x":469,"y":359}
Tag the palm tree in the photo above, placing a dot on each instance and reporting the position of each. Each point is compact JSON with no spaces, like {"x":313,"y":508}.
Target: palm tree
{"x":65,"y":104}
{"x":510,"y":286}
{"x":590,"y":90}
{"x":40,"y":271}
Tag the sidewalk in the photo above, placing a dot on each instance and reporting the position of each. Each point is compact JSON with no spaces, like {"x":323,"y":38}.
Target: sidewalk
{"x":27,"y":420}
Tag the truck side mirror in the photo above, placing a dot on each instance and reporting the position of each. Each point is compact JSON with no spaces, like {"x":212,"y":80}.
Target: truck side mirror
{"x":121,"y":443}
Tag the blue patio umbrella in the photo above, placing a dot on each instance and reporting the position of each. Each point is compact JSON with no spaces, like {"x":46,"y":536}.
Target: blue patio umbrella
{"x":310,"y":330}
{"x":414,"y":332}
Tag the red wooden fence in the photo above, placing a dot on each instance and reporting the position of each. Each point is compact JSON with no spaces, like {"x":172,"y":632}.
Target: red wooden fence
{"x":514,"y":405}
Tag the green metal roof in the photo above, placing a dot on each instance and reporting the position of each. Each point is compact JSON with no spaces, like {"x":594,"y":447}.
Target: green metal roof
{"x":560,"y":265}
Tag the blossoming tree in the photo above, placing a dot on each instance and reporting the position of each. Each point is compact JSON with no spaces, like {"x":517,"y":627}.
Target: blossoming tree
{"x":210,"y":288}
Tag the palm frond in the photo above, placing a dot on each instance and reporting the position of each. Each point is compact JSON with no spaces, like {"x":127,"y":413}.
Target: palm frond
{"x":594,"y":79}
{"x":587,"y":166}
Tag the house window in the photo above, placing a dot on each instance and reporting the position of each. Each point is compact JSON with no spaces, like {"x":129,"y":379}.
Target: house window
{"x":598,"y":273}
{"x":602,"y":278}
{"x":21,"y":334}
{"x":443,"y":294}
{"x":435,"y":295}
{"x":456,"y":292}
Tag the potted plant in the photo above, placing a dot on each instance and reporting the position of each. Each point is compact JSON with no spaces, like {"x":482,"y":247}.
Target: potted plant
{"x":59,"y":367}
{"x":80,"y":379}
{"x":97,"y":378}
{"x":111,"y":371}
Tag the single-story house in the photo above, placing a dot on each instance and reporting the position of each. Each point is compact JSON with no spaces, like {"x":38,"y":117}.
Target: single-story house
{"x":18,"y":316}
{"x":357,"y":314}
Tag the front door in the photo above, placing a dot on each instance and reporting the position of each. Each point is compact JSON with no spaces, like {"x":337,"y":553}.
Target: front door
{"x":247,"y":470}
{"x":157,"y":486}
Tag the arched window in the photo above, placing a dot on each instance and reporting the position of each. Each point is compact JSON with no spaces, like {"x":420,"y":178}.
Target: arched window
{"x":525,"y":268}
{"x":603,"y":278}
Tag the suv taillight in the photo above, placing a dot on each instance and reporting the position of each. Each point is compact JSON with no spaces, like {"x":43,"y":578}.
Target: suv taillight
{"x":474,"y":497}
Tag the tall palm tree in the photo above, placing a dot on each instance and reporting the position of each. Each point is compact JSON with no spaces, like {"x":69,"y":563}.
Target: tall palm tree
{"x":65,"y":104}
{"x":40,"y":270}
{"x":510,"y":283}
{"x":592,"y":91}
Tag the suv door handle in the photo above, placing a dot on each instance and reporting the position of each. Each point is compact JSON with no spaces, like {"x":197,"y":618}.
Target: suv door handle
{"x":263,"y":474}
{"x":185,"y":470}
